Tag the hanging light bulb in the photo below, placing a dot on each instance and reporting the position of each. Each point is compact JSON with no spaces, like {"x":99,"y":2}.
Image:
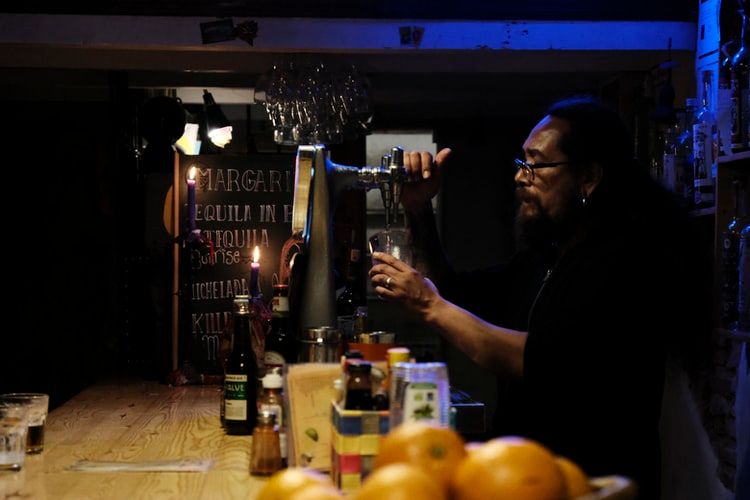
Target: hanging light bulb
{"x":218,"y":127}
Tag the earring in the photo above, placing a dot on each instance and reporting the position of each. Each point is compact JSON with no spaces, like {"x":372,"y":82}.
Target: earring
{"x":584,"y":200}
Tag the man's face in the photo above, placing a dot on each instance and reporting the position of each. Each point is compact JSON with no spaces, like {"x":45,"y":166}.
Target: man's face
{"x":548,"y":202}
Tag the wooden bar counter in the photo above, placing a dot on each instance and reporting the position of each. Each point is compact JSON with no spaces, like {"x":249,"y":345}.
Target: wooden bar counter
{"x":136,"y":421}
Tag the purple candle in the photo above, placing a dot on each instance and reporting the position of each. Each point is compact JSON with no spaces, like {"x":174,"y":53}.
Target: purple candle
{"x":191,"y":197}
{"x":255,"y":274}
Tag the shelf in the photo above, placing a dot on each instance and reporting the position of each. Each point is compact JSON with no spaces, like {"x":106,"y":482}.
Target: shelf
{"x":701,"y":212}
{"x":744,"y":155}
{"x":734,"y":334}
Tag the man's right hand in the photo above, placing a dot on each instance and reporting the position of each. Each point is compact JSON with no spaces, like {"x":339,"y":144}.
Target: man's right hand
{"x":425,"y":178}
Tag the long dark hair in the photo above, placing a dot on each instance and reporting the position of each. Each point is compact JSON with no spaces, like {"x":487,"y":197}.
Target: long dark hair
{"x":597,"y":134}
{"x":651,"y":214}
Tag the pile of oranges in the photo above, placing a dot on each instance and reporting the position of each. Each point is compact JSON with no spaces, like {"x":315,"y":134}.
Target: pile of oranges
{"x":417,"y":461}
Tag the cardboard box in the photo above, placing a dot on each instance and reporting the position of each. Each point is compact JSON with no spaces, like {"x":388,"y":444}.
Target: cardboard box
{"x":355,"y":438}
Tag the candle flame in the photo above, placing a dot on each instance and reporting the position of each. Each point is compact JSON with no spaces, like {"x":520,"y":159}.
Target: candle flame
{"x":191,"y":173}
{"x":256,"y":254}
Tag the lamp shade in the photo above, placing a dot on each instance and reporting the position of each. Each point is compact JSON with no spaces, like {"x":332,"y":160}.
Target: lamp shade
{"x":218,"y":128}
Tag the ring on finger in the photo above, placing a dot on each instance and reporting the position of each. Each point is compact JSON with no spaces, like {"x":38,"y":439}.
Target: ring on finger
{"x":388,"y":282}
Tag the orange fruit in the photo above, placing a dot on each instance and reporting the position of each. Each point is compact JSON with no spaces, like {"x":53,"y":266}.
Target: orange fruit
{"x":286,"y":482}
{"x":400,"y":482}
{"x":509,"y":467}
{"x":317,"y":492}
{"x":576,"y":481}
{"x":436,"y":450}
{"x":473,"y":445}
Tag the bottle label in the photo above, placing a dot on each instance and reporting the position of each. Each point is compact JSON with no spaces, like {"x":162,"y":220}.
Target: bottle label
{"x":276,"y":410}
{"x":235,"y":397}
{"x":704,"y":192}
{"x":273,"y":359}
{"x":280,"y":304}
{"x":422,"y":403}
{"x":702,"y":149}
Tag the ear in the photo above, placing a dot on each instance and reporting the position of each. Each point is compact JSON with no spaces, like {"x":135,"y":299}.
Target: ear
{"x":591,"y":178}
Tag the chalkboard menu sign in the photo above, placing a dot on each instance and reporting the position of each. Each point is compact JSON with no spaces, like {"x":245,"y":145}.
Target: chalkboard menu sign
{"x":240,"y":202}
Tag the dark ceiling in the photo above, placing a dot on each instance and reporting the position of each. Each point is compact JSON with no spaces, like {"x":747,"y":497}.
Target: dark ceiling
{"x":678,"y":10}
{"x":419,"y":85}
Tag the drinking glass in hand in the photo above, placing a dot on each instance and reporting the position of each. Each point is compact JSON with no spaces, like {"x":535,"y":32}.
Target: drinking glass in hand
{"x":395,"y":242}
{"x":37,"y":405}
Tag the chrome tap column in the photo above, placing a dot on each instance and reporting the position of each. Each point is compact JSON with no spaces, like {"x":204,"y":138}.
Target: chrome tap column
{"x":318,"y":181}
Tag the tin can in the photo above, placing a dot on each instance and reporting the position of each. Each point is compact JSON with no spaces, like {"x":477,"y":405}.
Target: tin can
{"x":420,"y":393}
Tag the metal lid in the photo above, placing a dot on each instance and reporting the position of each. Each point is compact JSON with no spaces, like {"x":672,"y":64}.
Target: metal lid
{"x":379,"y":337}
{"x":398,"y":355}
{"x":272,"y":381}
{"x":322,"y":334}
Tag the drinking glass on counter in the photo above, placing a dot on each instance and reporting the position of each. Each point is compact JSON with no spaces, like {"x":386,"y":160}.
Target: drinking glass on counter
{"x":37,"y":405}
{"x":395,"y":242}
{"x":13,"y":428}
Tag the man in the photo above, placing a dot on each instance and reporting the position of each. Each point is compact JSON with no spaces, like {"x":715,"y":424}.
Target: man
{"x":578,"y":324}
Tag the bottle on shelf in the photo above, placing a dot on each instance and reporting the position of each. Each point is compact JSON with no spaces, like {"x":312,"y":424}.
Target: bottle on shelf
{"x":281,"y":344}
{"x":272,"y":400}
{"x":739,"y":70}
{"x":671,"y":178}
{"x":360,"y":321}
{"x":704,"y":136}
{"x":743,"y":292}
{"x":351,"y":298}
{"x":730,"y":250}
{"x":725,"y":105}
{"x":265,"y":457}
{"x":240,"y":392}
{"x":684,"y":154}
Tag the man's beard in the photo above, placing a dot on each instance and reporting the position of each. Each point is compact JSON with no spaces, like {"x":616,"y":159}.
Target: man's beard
{"x":539,"y":228}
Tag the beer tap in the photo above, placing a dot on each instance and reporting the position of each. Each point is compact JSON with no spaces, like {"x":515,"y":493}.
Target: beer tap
{"x":318,"y":182}
{"x":385,"y":191}
{"x":393,"y":176}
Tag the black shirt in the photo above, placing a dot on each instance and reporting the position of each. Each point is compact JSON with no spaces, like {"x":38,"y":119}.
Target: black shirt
{"x":599,"y":320}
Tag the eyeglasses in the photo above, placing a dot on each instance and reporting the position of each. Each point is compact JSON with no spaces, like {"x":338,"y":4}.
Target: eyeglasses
{"x":528,"y":169}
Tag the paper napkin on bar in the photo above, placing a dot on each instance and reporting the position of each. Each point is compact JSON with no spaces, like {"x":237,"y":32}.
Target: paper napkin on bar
{"x":179,"y":465}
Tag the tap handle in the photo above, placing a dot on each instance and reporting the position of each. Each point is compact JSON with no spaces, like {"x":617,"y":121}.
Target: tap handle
{"x":398,"y":177}
{"x":396,"y":158}
{"x":386,"y":193}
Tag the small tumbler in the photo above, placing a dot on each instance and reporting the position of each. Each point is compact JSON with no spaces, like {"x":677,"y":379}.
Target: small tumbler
{"x":13,"y":426}
{"x":37,"y":405}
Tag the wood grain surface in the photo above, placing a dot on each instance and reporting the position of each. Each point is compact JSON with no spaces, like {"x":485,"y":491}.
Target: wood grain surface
{"x":136,"y":421}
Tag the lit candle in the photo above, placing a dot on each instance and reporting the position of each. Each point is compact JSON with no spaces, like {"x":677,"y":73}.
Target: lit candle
{"x":191,"y":197}
{"x":255,"y":274}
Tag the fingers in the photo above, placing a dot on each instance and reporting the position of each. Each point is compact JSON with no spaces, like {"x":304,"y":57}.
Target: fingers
{"x":442,"y":156}
{"x":389,"y":260}
{"x":426,"y":160}
{"x":384,"y":292}
{"x":413,"y":164}
{"x":420,"y":164}
{"x":383,"y":284}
